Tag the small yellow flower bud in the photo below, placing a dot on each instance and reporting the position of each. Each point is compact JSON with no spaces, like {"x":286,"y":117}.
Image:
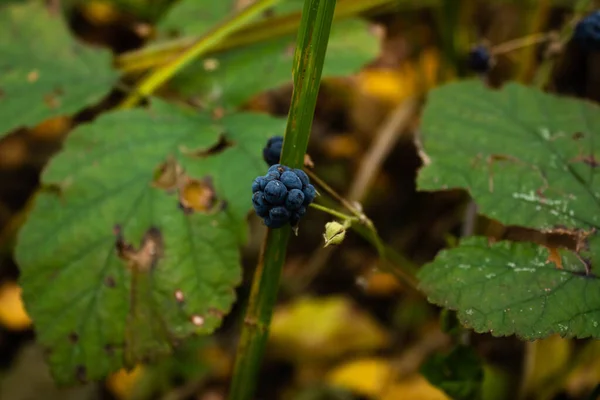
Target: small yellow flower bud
{"x":334,"y":233}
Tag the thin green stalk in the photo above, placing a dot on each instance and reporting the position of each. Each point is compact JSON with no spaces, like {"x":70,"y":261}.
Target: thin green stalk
{"x":311,"y":46}
{"x":159,"y":53}
{"x":213,"y":37}
{"x":399,"y":266}
{"x":333,"y":212}
{"x":323,"y":185}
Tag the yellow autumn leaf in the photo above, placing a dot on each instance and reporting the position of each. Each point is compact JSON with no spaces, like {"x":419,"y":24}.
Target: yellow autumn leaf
{"x":364,"y":376}
{"x":414,"y":387}
{"x":551,"y":355}
{"x":412,"y":78}
{"x":122,"y":383}
{"x":312,"y":329}
{"x":12,"y":311}
{"x":582,"y":379}
{"x":100,"y":12}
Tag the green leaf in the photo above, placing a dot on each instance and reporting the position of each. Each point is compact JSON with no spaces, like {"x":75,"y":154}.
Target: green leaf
{"x":193,"y":17}
{"x":46,"y":72}
{"x":77,"y":287}
{"x":527,"y":158}
{"x":459,"y":373}
{"x":509,"y":288}
{"x":233,"y":77}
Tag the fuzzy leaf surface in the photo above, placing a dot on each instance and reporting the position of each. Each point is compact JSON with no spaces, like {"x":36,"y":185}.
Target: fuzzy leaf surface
{"x":528,"y":159}
{"x":45,"y":71}
{"x":80,"y":293}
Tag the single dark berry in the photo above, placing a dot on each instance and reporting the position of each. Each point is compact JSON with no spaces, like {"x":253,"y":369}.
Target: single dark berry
{"x":278,"y":168}
{"x":272,"y":151}
{"x":309,"y":194}
{"x":260,"y":206}
{"x":301,"y":211}
{"x":294,"y":199}
{"x":587,"y":32}
{"x":290,"y":180}
{"x":279,"y":213}
{"x":259,"y":184}
{"x":275,"y":193}
{"x":479,"y":59}
{"x":303,"y":177}
{"x":275,"y":174}
{"x":297,"y":215}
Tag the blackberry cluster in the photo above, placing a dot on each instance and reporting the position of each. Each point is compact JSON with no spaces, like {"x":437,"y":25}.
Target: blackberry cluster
{"x":587,"y":32}
{"x":479,"y":59}
{"x":282,"y":195}
{"x":272,"y":151}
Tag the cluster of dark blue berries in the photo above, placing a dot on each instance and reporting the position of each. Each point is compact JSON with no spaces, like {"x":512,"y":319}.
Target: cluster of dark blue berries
{"x":282,"y":195}
{"x":272,"y":151}
{"x":587,"y":32}
{"x":480,"y":59}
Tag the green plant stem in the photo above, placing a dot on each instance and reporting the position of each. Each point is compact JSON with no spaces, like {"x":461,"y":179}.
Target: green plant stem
{"x":159,"y":76}
{"x":537,"y":23}
{"x":395,"y":263}
{"x":333,"y":212}
{"x":311,"y":46}
{"x":400,"y":266}
{"x":335,"y":195}
{"x":157,"y":54}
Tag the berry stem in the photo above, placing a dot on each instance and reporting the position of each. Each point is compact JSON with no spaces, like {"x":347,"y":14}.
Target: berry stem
{"x":390,"y":260}
{"x":160,"y":75}
{"x":522,"y":42}
{"x":334,"y":213}
{"x":335,"y":195}
{"x":311,"y":46}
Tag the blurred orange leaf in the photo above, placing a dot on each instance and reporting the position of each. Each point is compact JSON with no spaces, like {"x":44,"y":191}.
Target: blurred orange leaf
{"x":122,"y":383}
{"x":12,"y":312}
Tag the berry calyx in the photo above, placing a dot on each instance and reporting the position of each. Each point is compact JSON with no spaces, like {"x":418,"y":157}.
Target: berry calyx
{"x":282,"y":195}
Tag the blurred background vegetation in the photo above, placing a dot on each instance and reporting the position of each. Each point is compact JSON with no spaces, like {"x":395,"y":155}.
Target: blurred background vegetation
{"x":343,"y":328}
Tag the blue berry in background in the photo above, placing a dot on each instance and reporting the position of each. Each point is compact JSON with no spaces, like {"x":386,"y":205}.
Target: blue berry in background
{"x":290,"y":180}
{"x":587,"y":32}
{"x":294,"y":200}
{"x":309,"y":194}
{"x":260,"y":205}
{"x":272,"y":151}
{"x":479,"y":59}
{"x":275,"y":193}
{"x":281,"y":196}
